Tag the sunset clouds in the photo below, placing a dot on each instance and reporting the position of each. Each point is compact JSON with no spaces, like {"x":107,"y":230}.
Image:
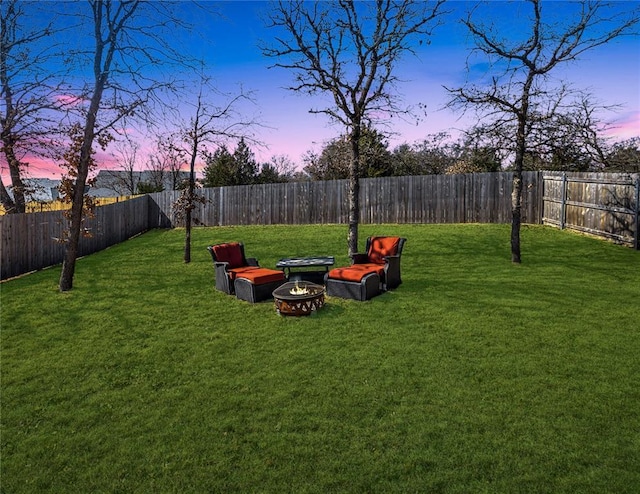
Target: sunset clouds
{"x":229,"y":44}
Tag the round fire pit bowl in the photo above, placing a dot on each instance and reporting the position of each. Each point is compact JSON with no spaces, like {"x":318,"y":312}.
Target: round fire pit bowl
{"x":298,"y":298}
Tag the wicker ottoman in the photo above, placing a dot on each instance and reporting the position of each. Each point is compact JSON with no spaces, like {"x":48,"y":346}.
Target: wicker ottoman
{"x":258,"y":285}
{"x":366,"y":288}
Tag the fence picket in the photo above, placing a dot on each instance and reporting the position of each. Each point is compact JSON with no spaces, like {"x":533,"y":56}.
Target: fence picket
{"x":604,"y":204}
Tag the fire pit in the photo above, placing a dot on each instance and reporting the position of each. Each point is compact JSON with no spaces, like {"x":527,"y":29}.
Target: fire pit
{"x":299,"y":298}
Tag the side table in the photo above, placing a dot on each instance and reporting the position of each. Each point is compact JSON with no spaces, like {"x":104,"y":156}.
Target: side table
{"x":303,"y":268}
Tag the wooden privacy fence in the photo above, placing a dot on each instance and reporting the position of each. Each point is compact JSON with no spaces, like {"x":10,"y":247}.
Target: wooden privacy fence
{"x":601,"y":204}
{"x":471,"y":198}
{"x":29,"y":241}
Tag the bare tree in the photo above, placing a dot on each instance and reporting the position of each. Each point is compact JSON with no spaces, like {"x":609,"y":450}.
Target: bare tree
{"x":128,"y":35}
{"x":517,"y":92}
{"x":209,"y":124}
{"x":126,"y":179}
{"x":168,"y":159}
{"x":27,"y":91}
{"x":280,"y":168}
{"x":348,"y":51}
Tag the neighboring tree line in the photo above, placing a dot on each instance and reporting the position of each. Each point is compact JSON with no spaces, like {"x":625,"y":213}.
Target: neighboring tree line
{"x":477,"y":151}
{"x":240,"y":167}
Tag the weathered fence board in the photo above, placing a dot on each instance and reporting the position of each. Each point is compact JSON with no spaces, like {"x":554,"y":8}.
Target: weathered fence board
{"x":484,"y":197}
{"x":596,"y":203}
{"x":31,"y":241}
{"x":604,"y":204}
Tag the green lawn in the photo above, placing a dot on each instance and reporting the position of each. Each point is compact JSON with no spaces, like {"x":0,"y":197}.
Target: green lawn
{"x":475,"y":375}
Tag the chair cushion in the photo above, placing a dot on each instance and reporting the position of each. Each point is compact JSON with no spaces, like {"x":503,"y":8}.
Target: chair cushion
{"x":356,"y":272}
{"x":230,"y":252}
{"x":240,"y":272}
{"x":260,"y":276}
{"x":379,"y":247}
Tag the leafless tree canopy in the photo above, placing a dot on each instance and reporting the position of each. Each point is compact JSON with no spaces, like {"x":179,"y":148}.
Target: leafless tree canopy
{"x":29,"y":114}
{"x":348,"y":51}
{"x":519,"y":90}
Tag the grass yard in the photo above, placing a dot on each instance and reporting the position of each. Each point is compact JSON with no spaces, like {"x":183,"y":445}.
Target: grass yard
{"x":475,"y":375}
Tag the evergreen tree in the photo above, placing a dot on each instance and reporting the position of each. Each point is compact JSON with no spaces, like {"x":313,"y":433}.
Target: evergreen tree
{"x":219,"y":168}
{"x":246,"y":167}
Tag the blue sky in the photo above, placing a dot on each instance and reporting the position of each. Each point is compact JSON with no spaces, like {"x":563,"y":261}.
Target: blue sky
{"x":229,"y":43}
{"x":611,"y":73}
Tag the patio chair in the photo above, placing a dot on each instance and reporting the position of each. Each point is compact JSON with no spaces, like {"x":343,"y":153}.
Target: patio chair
{"x":385,"y":252}
{"x":370,"y":273}
{"x":240,"y":275}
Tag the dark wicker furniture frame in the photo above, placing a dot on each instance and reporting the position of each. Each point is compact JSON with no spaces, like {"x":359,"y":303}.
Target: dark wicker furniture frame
{"x":223,"y":278}
{"x":245,"y":290}
{"x":372,"y":284}
{"x":392,"y":277}
{"x":367,"y":288}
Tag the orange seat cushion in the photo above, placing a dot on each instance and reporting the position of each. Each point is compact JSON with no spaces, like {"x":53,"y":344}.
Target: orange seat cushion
{"x":240,"y":272}
{"x":260,"y":276}
{"x":356,"y":272}
{"x":379,"y":247}
{"x":230,"y":252}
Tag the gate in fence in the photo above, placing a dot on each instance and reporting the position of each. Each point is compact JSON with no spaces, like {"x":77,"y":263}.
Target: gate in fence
{"x":606,"y":205}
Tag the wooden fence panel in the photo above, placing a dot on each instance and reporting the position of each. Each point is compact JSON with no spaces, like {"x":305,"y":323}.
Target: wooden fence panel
{"x":476,"y":198}
{"x":31,"y":241}
{"x":601,"y":204}
{"x":598,"y":203}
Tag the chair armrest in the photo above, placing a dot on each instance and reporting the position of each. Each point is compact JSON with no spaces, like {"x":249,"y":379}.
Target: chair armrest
{"x":359,"y":258}
{"x":393,"y":262}
{"x":222,"y":277}
{"x":252,"y":261}
{"x":392,"y":275}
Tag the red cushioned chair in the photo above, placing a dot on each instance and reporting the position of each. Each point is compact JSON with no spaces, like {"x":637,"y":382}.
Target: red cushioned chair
{"x":383,"y":252}
{"x":370,"y":273}
{"x":242,"y":276}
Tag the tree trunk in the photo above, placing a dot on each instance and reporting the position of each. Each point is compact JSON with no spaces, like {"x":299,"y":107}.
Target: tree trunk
{"x":190,"y":192}
{"x":516,"y":193}
{"x":71,"y":251}
{"x":187,"y":236}
{"x":354,"y":191}
{"x":516,"y":216}
{"x":18,"y":204}
{"x":77,"y":206}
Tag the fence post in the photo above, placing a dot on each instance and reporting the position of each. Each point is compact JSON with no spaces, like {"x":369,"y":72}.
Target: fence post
{"x":563,"y":208}
{"x":636,"y":234}
{"x":540,"y":186}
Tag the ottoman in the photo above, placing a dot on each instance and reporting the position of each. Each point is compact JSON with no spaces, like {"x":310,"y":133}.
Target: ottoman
{"x":258,"y":284}
{"x":356,"y":282}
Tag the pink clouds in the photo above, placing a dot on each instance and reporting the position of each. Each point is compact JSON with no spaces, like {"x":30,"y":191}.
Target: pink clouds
{"x":47,"y":168}
{"x":37,"y":168}
{"x":625,"y":127}
{"x":68,"y":99}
